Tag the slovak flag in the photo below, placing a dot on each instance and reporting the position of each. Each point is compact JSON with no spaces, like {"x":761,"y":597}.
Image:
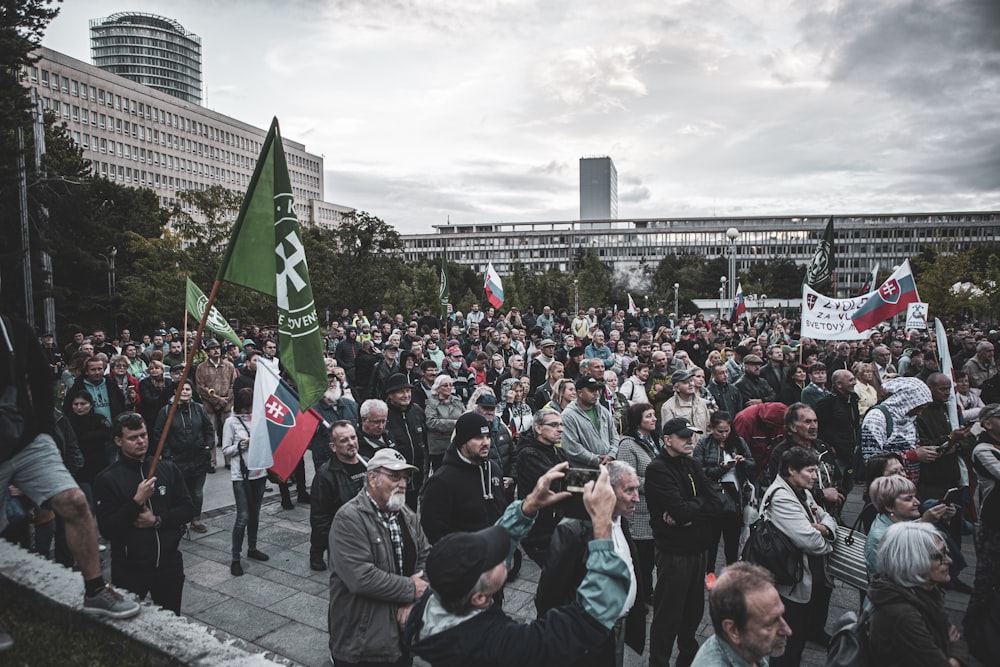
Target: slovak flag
{"x":279,"y":434}
{"x":892,"y":298}
{"x":870,"y":283}
{"x":632,"y":308}
{"x":739,"y":305}
{"x":493,"y":287}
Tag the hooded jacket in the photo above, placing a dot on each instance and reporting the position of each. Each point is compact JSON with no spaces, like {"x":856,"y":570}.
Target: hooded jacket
{"x":114,"y":489}
{"x":909,"y":627}
{"x":905,"y":394}
{"x":763,"y":427}
{"x":534,"y":459}
{"x":190,"y":437}
{"x":461,"y":496}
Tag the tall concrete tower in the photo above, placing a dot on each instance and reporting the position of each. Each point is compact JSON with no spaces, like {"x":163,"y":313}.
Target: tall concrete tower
{"x":598,"y":189}
{"x":148,"y":49}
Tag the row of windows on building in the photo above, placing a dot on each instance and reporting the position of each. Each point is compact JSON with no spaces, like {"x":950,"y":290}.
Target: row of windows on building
{"x":113,"y":125}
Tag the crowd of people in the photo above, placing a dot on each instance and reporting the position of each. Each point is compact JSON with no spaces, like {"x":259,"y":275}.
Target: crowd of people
{"x":450,"y":446}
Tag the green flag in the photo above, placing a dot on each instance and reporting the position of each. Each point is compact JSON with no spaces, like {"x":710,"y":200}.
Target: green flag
{"x":443,"y":295}
{"x":195,"y":303}
{"x":819,"y":274}
{"x":266,"y":254}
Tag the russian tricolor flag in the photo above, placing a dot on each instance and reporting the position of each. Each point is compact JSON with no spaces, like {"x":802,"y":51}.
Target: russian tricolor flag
{"x":279,"y":434}
{"x":493,"y":287}
{"x":892,"y":298}
{"x":739,"y":305}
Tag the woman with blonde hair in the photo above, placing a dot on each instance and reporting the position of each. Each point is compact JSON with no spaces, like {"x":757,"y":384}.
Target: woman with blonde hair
{"x":867,"y":387}
{"x":543,"y":394}
{"x":563,"y":394}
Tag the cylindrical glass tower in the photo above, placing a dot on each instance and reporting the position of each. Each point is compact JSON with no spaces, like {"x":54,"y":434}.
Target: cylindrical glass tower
{"x":148,"y":49}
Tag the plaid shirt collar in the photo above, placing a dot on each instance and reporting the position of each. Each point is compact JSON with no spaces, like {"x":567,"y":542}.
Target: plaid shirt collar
{"x":391,"y":522}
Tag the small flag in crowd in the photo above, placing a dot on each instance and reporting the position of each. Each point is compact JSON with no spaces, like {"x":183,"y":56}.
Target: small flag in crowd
{"x":892,"y":298}
{"x":493,"y":287}
{"x":266,"y":254}
{"x":195,"y":303}
{"x":632,"y":308}
{"x":443,"y":295}
{"x":819,"y":274}
{"x":279,"y":433}
{"x":870,"y":283}
{"x":739,"y":305}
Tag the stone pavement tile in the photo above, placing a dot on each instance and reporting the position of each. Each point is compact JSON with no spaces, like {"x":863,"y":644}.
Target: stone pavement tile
{"x":291,"y":524}
{"x":307,"y":646}
{"x":298,"y":582}
{"x":304,"y":608}
{"x":295,"y":563}
{"x":255,"y":590}
{"x":205,"y":551}
{"x":208,"y":573}
{"x":519,"y":603}
{"x":302,"y":548}
{"x":197,"y":598}
{"x":280,"y":536}
{"x":241,"y":619}
{"x":216,"y":539}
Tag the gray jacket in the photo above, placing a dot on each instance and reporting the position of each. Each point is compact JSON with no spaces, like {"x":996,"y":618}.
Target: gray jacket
{"x":366,"y":587}
{"x":582,"y":442}
{"x":789,"y":516}
{"x":440,"y":419}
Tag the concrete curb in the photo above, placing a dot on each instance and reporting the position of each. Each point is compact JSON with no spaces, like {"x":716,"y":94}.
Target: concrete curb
{"x":53,"y":590}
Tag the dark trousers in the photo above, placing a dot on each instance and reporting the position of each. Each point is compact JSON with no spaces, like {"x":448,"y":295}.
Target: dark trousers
{"x":164,"y":584}
{"x":249,"y":494}
{"x":678,"y":605}
{"x":728,"y":528}
{"x":299,"y":474}
{"x":195,"y":482}
{"x":646,"y":551}
{"x":806,"y":620}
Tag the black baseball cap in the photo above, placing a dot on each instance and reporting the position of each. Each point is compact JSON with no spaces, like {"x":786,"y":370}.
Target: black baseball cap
{"x":680,"y":426}
{"x":456,"y":562}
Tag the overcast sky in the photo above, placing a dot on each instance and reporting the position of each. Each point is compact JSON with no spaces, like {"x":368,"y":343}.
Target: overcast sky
{"x":480,"y":110}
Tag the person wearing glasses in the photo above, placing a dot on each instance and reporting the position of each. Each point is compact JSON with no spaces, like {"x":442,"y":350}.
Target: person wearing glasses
{"x":372,"y":435}
{"x":909,"y":623}
{"x":143,"y":517}
{"x":377,"y":556}
{"x":536,"y":455}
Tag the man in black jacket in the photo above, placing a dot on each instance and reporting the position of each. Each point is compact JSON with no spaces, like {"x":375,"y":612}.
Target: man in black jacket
{"x":466,"y":492}
{"x":335,"y":483}
{"x":144,"y":519}
{"x":567,"y":565}
{"x":840,"y":420}
{"x":536,"y":455}
{"x":407,"y":428}
{"x":681,"y":508}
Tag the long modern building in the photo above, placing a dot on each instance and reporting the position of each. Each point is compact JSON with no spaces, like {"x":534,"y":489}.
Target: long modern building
{"x":149,"y":49}
{"x":626,"y":245}
{"x":141,"y":137}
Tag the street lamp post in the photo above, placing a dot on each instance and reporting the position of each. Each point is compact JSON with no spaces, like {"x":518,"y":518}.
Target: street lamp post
{"x":110,"y":259}
{"x":576,"y":296}
{"x":722,"y":295}
{"x":732,"y":234}
{"x":677,"y":313}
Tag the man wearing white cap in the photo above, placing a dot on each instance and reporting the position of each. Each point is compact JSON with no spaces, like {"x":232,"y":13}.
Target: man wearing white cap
{"x":377,"y":556}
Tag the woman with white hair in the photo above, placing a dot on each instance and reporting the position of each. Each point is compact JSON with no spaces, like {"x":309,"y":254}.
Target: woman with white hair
{"x":909,"y":623}
{"x":895,"y":500}
{"x":442,"y":411}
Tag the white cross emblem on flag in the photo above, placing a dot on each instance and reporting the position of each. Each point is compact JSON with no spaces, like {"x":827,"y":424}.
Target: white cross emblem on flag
{"x":275,"y":410}
{"x":890,"y":291}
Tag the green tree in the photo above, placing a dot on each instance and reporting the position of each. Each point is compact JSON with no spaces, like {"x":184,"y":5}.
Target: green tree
{"x":594,"y":282}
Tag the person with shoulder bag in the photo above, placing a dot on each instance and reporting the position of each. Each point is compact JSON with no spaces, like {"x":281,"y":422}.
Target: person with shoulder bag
{"x":793,"y":510}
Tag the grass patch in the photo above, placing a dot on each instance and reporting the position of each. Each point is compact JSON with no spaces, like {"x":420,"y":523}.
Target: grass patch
{"x":41,"y":640}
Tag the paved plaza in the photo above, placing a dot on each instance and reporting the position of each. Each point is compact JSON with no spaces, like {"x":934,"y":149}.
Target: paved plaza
{"x":280,"y":606}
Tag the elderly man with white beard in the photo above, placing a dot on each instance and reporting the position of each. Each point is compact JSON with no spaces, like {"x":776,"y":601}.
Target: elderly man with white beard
{"x":377,"y":556}
{"x":333,"y":407}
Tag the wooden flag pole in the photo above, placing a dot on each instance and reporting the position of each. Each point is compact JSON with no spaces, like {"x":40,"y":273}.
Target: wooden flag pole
{"x":184,"y":377}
